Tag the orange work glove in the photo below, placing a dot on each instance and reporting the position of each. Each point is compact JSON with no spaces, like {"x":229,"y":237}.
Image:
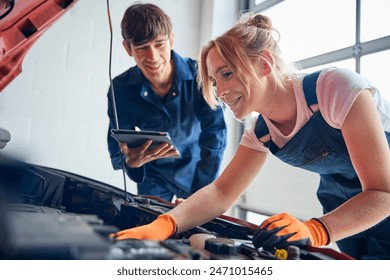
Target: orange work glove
{"x":283,"y":230}
{"x":160,"y":229}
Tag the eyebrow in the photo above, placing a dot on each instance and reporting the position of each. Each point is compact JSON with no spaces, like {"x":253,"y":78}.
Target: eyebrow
{"x":219,"y":69}
{"x":161,"y":40}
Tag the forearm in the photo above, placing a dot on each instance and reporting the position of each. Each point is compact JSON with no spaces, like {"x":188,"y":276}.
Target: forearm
{"x":201,"y":207}
{"x":217,"y":197}
{"x":358,"y":214}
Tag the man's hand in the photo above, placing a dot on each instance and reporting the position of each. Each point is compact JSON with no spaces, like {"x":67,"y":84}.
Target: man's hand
{"x":137,"y":157}
{"x":179,"y":201}
{"x":160,"y":229}
{"x":283,"y":230}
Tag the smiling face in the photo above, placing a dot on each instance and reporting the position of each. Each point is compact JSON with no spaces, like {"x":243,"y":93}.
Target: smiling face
{"x":228,"y":88}
{"x":153,"y":58}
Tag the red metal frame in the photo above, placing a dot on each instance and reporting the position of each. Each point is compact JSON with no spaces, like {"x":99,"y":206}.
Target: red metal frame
{"x":21,"y":28}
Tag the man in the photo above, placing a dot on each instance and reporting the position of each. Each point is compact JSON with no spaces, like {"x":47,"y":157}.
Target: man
{"x":160,"y":93}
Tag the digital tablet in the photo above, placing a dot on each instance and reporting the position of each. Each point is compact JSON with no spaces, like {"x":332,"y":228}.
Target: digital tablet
{"x":136,"y":138}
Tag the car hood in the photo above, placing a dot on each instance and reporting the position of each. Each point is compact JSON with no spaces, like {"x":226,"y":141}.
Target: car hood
{"x":22,"y":22}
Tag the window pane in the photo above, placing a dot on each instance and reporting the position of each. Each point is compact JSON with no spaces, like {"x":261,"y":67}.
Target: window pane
{"x":375,"y":19}
{"x":310,"y":27}
{"x":348,"y":64}
{"x":371,"y":68}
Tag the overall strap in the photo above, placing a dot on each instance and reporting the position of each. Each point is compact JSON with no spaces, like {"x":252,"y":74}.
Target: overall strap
{"x":309,"y":89}
{"x":261,"y":128}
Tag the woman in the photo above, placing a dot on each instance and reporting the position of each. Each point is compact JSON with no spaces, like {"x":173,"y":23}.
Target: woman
{"x":337,"y":127}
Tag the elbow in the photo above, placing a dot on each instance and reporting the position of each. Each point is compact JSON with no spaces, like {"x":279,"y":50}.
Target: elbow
{"x":225,"y":201}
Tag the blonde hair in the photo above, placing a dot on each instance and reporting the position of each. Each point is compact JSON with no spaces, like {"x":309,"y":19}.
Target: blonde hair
{"x":239,"y":47}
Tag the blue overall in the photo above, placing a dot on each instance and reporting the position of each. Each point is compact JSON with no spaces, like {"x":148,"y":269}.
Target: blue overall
{"x":319,"y":148}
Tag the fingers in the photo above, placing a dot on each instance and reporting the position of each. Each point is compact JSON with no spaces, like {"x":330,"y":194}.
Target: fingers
{"x":144,"y":148}
{"x":270,"y":222}
{"x":126,"y":234}
{"x":261,"y":237}
{"x":124,"y":148}
{"x":275,"y":239}
{"x":280,"y":231}
{"x":161,"y":150}
{"x":179,"y":200}
{"x":136,"y":157}
{"x":122,"y":237}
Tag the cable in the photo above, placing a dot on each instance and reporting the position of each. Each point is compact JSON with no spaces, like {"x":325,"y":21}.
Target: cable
{"x":113,"y":95}
{"x":109,"y":67}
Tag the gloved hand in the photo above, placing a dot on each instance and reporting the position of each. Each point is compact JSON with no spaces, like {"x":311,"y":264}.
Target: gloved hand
{"x":160,"y":229}
{"x":283,"y":230}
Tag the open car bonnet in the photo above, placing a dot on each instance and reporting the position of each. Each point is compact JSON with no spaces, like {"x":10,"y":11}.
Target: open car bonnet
{"x":22,"y":22}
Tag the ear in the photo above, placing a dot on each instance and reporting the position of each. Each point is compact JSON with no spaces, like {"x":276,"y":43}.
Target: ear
{"x":172,"y":39}
{"x":127,"y":47}
{"x":266,"y":62}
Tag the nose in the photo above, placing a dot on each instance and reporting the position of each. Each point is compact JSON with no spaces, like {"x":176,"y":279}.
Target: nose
{"x":152,"y":54}
{"x":221,"y":91}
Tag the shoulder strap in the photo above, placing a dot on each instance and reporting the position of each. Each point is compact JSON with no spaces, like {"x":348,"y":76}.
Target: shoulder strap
{"x":261,"y":128}
{"x":309,"y":87}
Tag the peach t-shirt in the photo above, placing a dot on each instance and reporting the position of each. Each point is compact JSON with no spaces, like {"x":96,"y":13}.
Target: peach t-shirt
{"x":337,"y":89}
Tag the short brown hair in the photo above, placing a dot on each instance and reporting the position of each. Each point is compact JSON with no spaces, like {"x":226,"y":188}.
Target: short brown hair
{"x":142,"y":23}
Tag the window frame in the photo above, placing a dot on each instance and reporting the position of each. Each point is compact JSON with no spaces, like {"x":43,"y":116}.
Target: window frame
{"x":355,"y":51}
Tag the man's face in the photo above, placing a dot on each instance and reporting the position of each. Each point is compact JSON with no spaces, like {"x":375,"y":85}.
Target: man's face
{"x":153,"y":58}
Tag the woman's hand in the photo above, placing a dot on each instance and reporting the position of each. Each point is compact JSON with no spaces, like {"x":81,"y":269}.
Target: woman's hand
{"x":160,"y":229}
{"x":283,"y":230}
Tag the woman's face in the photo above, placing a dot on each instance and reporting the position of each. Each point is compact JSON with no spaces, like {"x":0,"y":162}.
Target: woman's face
{"x":228,"y":88}
{"x":231,"y":91}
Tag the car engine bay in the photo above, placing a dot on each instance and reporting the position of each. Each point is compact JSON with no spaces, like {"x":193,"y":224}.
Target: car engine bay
{"x":53,"y":214}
